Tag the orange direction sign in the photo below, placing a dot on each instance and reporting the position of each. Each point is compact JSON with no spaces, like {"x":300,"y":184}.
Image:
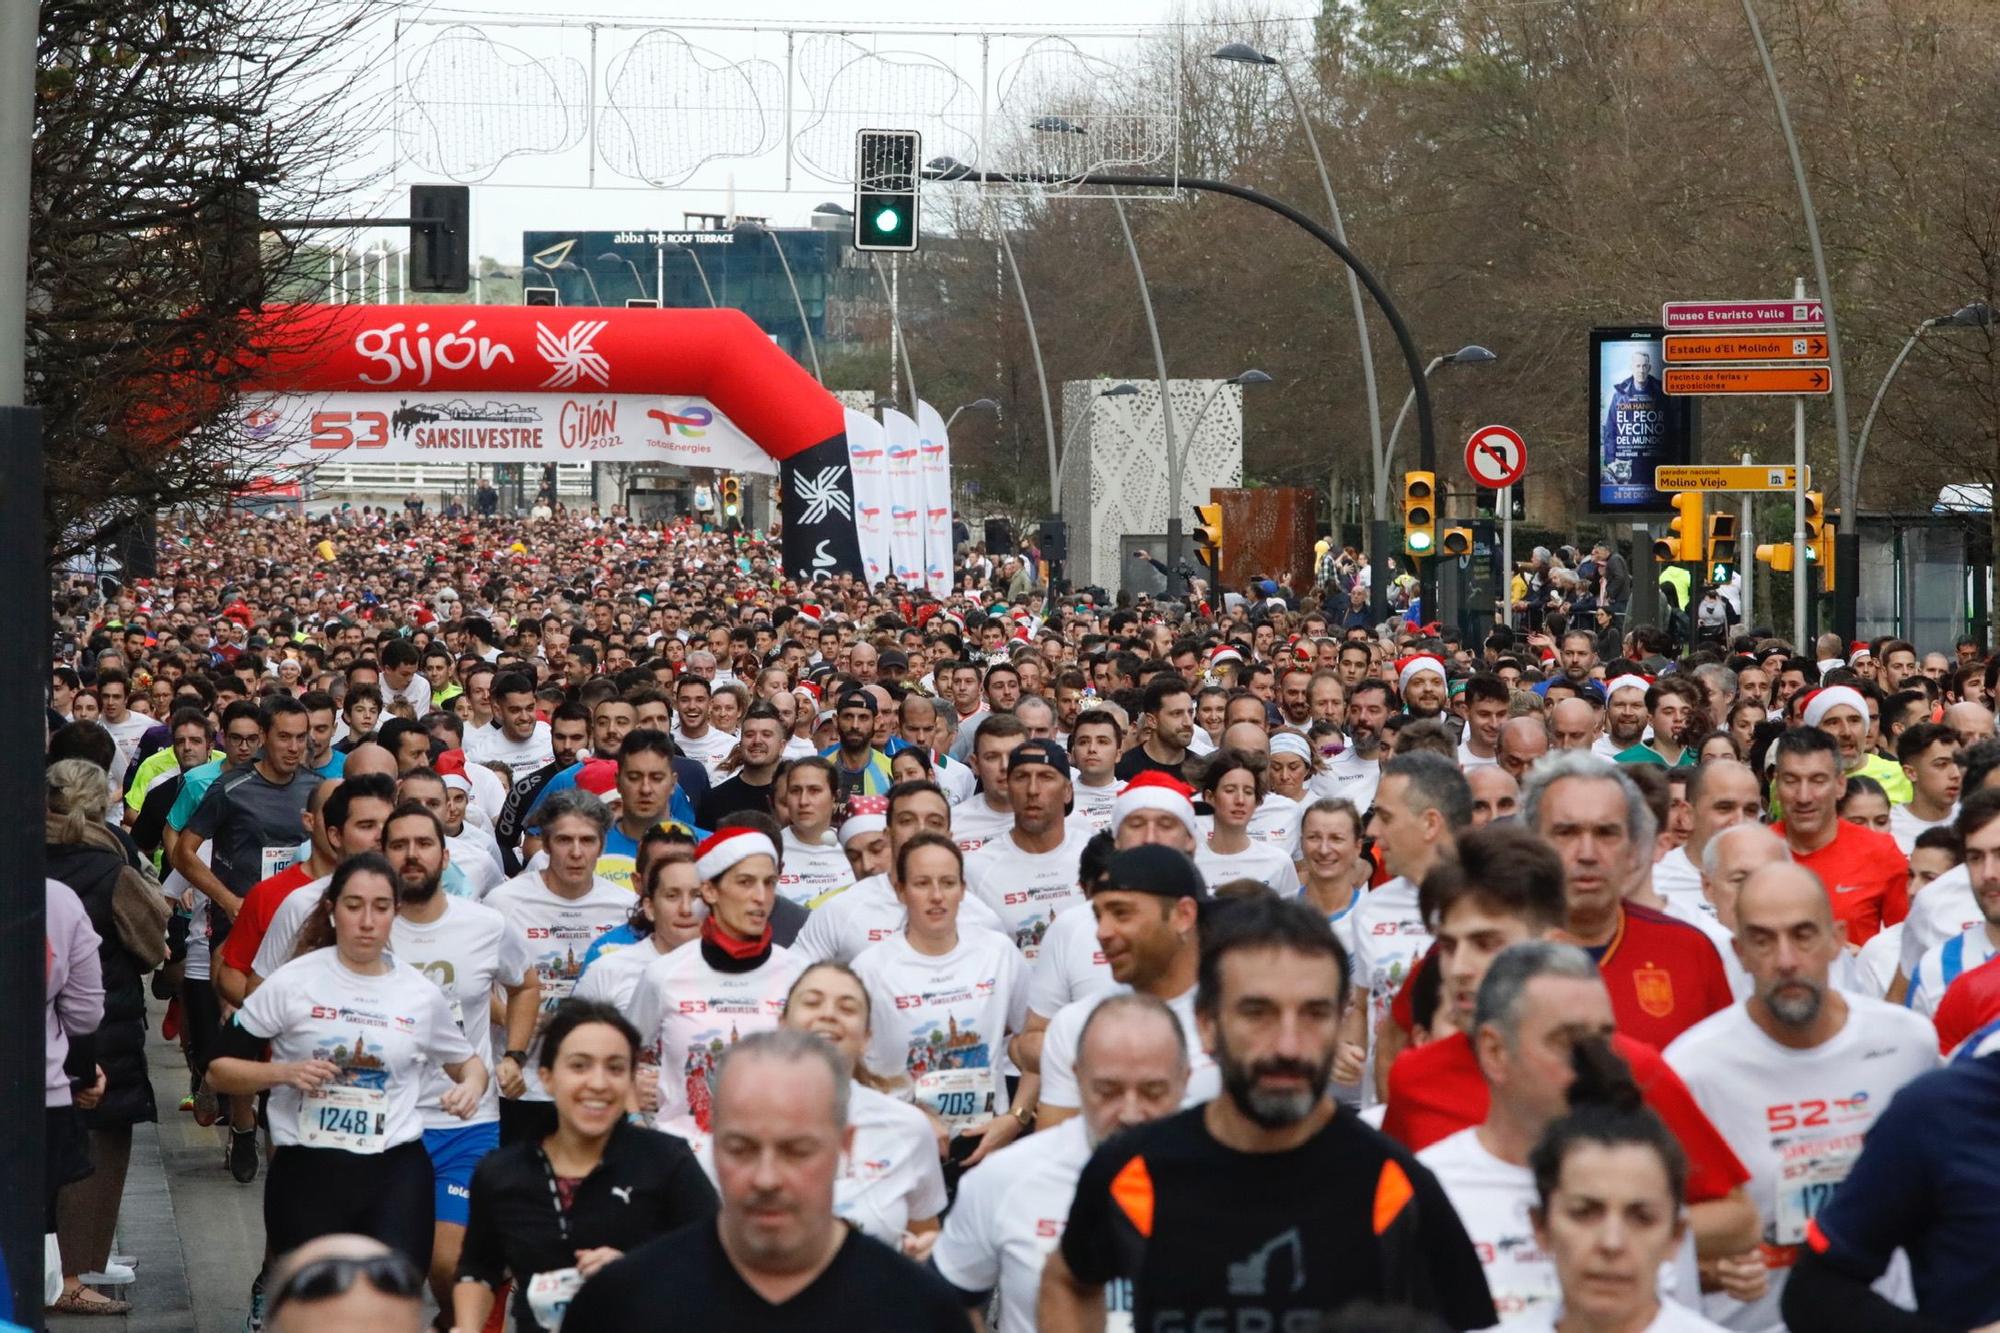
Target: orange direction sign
{"x":1728,"y":477}
{"x":1696,"y":380}
{"x":1685,"y":347}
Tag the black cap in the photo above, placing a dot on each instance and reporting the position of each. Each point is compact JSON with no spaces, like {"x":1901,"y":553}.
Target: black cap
{"x":1154,"y":868}
{"x":857,"y":699}
{"x":1036,"y":751}
{"x":893,"y":657}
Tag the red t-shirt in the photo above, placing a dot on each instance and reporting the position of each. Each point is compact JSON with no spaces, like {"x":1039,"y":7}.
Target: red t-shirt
{"x":1436,"y":1089}
{"x":1968,"y":1004}
{"x":254,"y":917}
{"x":1866,"y":876}
{"x":1664,"y":976}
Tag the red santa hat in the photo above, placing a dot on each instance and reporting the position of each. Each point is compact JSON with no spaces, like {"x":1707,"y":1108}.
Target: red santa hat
{"x":1155,"y":791}
{"x":1223,"y":656}
{"x":1859,"y":651}
{"x":810,"y":615}
{"x":719,"y":851}
{"x":865,"y":815}
{"x":1821,"y":702}
{"x":1409,"y":668}
{"x":1631,"y":680}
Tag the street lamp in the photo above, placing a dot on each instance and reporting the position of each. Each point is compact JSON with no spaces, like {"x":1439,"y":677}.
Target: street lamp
{"x":1242,"y":53}
{"x":688,"y":250}
{"x":571,"y":266}
{"x":1061,"y":125}
{"x":1472,"y":354}
{"x":1978,"y":315}
{"x":747,"y":228}
{"x":613,"y":258}
{"x":976,"y":405}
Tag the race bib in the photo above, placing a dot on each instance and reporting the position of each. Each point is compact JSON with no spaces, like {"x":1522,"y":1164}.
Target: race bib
{"x":1806,"y":1186}
{"x":345,"y":1117}
{"x":959,"y":1097}
{"x":550,"y":1293}
{"x":275,"y":860}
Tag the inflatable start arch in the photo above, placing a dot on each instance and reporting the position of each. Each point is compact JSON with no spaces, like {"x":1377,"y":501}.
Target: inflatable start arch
{"x":540,"y":384}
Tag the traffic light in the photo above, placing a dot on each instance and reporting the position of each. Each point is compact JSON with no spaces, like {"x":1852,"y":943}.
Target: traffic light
{"x":440,"y":254}
{"x":1208,"y":535}
{"x":885,"y":189}
{"x":1453,"y":542}
{"x":1683,"y":539}
{"x":1721,"y":540}
{"x":1777,"y":555}
{"x":1420,"y":532}
{"x":732,"y":497}
{"x":1820,"y":532}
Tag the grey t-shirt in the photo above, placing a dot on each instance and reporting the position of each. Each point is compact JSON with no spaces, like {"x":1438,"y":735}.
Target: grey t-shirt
{"x":255,"y":824}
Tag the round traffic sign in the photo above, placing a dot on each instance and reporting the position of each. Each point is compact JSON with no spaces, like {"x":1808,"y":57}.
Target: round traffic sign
{"x":1496,"y":456}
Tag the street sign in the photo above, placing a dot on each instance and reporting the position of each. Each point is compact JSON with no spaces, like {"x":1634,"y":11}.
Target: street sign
{"x":1682,"y":315}
{"x":1685,"y":347}
{"x":1805,"y":379}
{"x":1728,"y":477}
{"x":1496,"y":456}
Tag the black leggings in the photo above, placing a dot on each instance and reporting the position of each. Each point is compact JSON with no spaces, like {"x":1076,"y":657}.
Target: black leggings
{"x":318,"y":1191}
{"x":201,"y":1012}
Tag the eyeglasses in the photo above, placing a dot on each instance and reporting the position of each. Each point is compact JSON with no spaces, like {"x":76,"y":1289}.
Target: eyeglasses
{"x":390,"y":1274}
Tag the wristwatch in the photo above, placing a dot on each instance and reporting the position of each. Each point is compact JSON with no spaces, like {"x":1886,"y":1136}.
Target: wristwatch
{"x":1025,"y":1115}
{"x":518,"y":1057}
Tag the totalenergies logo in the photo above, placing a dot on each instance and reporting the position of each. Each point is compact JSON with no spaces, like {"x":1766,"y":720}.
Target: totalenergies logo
{"x":938,"y":514}
{"x":902,"y":516}
{"x":902,"y":456}
{"x":930,"y":451}
{"x":860,"y":455}
{"x":691,"y":424}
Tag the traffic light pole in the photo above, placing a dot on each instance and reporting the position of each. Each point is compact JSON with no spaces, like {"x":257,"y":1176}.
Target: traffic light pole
{"x":1801,"y":563}
{"x":1412,"y":358}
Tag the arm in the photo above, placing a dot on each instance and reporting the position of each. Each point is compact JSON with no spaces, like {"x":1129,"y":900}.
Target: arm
{"x":1351,"y":1054}
{"x":1389,"y":1043}
{"x":1724,"y":1226}
{"x":1065,"y":1304}
{"x":1820,"y":1296}
{"x":1026,"y":1047}
{"x":469,"y":1085}
{"x":523,"y":1009}
{"x":232,"y":985}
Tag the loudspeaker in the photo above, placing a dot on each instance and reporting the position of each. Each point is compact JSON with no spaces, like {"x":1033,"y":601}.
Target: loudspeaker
{"x":999,"y":537}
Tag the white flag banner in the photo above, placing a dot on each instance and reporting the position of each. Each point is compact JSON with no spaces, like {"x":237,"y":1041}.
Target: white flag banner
{"x":868,"y":454}
{"x":906,"y":499}
{"x":934,"y":461}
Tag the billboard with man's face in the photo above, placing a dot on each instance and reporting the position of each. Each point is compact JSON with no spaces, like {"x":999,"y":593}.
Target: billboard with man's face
{"x":1634,"y":426}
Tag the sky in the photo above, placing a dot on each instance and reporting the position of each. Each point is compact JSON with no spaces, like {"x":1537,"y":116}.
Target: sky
{"x":544,"y":193}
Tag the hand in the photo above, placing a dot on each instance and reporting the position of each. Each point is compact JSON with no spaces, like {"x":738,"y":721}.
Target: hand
{"x":512,"y":1082}
{"x":86,"y":1098}
{"x":1742,"y":1277}
{"x":919,"y":1247}
{"x":461,"y":1099}
{"x":994,"y":1135}
{"x":589,"y":1261}
{"x":939,"y":1131}
{"x":308,"y":1075}
{"x":649,"y":1089}
{"x":1349,"y":1061}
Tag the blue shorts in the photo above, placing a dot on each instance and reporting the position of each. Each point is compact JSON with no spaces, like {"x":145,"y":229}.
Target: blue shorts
{"x":454,"y":1153}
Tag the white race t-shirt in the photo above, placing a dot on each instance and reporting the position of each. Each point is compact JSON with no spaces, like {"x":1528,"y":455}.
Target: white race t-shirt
{"x":1796,"y":1118}
{"x":1905,"y":827}
{"x":1941,"y":966}
{"x":1349,"y":777}
{"x":489,"y":744}
{"x":694,"y":1012}
{"x":1010,"y":1213}
{"x":1675,"y":876}
{"x":1093,"y":804}
{"x":556,"y":932}
{"x":1066,"y":1029}
{"x":974,"y":823}
{"x":1027,"y":890}
{"x":1492,"y":1199}
{"x":1276,"y":822}
{"x":1945,"y":907}
{"x":812,"y":870}
{"x":466,"y":952}
{"x":387,"y":1033}
{"x":842,"y":926}
{"x":1070,"y":964}
{"x":1389,"y":937}
{"x":1265,"y":862}
{"x":281,"y":936}
{"x":942,"y":1022}
{"x":708,"y":749}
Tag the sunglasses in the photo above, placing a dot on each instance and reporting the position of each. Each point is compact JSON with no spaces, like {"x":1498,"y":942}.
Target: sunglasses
{"x":391,"y":1274}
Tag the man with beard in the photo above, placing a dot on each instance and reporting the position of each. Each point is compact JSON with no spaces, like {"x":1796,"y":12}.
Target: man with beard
{"x":466,"y":948}
{"x":1268,"y":1205}
{"x":569,"y":734}
{"x":1132,"y":1068}
{"x":1421,"y":680}
{"x":858,"y":766}
{"x":1625,"y":717}
{"x":1356,"y":771}
{"x":1168,"y":706}
{"x":1796,"y":1074}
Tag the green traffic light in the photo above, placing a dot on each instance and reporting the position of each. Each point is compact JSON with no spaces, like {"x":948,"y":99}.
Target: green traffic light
{"x":1420,"y":541}
{"x":888,"y":220}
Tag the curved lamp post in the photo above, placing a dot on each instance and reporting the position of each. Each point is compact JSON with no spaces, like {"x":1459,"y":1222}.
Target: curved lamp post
{"x":758,"y":229}
{"x":1472,"y":354}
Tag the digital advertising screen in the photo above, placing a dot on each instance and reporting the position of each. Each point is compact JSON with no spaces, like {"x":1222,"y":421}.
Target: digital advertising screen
{"x":1634,"y":426}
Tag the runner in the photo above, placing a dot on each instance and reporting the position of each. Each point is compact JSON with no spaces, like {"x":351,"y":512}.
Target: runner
{"x":1094,"y":745}
{"x":814,"y":864}
{"x":986,"y":814}
{"x":1234,"y":785}
{"x":1978,"y":829}
{"x":354,"y":1036}
{"x":1028,"y":873}
{"x":1336,"y":871}
{"x":1865,"y":874}
{"x":1267,"y":1204}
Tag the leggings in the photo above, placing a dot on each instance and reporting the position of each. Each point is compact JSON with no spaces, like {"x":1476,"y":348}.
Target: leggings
{"x":201,"y":1011}
{"x":87,"y":1210}
{"x":318,"y":1191}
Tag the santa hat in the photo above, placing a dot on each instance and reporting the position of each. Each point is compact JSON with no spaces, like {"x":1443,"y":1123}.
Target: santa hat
{"x":719,"y":851}
{"x":810,"y":614}
{"x":1859,"y":652}
{"x":1631,"y":680}
{"x":1155,"y":791}
{"x":599,"y":777}
{"x":865,"y":815}
{"x":1223,"y":656}
{"x":1409,"y":668}
{"x":1821,"y":702}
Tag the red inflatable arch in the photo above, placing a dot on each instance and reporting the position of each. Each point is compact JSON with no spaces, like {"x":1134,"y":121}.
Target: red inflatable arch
{"x":719,"y":355}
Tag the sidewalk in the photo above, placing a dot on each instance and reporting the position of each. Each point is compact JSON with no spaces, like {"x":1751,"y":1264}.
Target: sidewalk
{"x":198,"y":1235}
